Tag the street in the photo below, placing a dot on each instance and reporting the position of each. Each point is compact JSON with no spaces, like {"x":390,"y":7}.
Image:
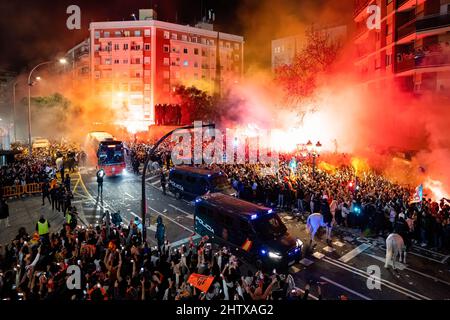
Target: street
{"x":341,"y":269}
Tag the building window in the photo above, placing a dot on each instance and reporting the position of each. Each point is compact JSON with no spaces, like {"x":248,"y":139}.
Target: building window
{"x":211,"y":42}
{"x":147,"y":46}
{"x":236,"y":46}
{"x":185,"y":50}
{"x":146,"y":60}
{"x":97,"y":34}
{"x":137,"y":33}
{"x":96,"y":47}
{"x":166,"y":35}
{"x":185,"y":63}
{"x":125,"y":61}
{"x":106,"y":34}
{"x":174,"y":36}
{"x":195,"y":64}
{"x":194,"y":39}
{"x":116,"y":61}
{"x":125,"y":46}
{"x":107,"y":61}
{"x":117,"y":34}
{"x":228,"y":45}
{"x":166,"y":61}
{"x":184,"y":37}
{"x":147,"y":32}
{"x":126,"y":33}
{"x":166,"y":48}
{"x":388,"y":60}
{"x":116,"y":46}
{"x":196,"y":51}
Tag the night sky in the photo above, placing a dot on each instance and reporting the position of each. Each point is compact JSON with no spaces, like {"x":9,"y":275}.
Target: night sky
{"x":34,"y":30}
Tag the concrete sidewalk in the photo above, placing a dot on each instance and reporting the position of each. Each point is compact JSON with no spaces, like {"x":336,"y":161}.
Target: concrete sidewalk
{"x":25,"y":212}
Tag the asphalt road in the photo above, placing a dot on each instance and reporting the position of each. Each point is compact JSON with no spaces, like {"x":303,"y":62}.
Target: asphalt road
{"x":340,"y":269}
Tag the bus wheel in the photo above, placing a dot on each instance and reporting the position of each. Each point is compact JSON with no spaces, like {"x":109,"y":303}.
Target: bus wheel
{"x":178,"y":195}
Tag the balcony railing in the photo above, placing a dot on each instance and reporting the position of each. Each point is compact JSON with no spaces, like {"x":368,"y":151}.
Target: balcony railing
{"x":433,"y":22}
{"x":406,"y":29}
{"x":435,"y":59}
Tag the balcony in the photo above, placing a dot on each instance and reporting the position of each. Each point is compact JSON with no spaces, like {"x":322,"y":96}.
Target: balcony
{"x":433,"y":22}
{"x":423,"y":60}
{"x":407,"y":29}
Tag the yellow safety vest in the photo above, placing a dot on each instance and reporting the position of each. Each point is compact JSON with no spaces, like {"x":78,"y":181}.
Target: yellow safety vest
{"x":68,"y":218}
{"x":42,"y":228}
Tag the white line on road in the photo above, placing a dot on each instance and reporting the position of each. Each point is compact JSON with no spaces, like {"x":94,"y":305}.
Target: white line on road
{"x":430,"y":251}
{"x":346,"y":288}
{"x":154,"y":183}
{"x":402,"y":267}
{"x":386,"y":283}
{"x":170,"y":219}
{"x":188,"y":215}
{"x":126,"y":193}
{"x":350,"y":255}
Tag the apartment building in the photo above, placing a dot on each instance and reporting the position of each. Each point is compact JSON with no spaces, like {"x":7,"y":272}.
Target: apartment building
{"x":412,"y":45}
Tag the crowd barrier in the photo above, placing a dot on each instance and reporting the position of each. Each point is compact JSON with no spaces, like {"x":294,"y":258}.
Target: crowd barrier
{"x":18,"y":190}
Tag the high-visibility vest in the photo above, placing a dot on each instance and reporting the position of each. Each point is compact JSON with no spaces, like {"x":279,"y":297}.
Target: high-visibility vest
{"x":68,"y":218}
{"x":42,"y":227}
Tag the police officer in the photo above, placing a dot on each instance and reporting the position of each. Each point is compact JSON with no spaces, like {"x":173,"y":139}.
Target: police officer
{"x":43,"y":228}
{"x":100,"y":175}
{"x":160,"y":234}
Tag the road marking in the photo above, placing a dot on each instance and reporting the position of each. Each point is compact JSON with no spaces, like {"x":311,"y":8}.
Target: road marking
{"x":339,"y":244}
{"x":328,"y":249}
{"x":154,"y":183}
{"x":318,"y":255}
{"x":133,"y":198}
{"x":188,"y":215}
{"x":350,"y":255}
{"x":403,"y":267}
{"x":398,"y":265}
{"x":425,"y":257}
{"x":306,"y":262}
{"x":430,"y":251}
{"x":445,"y":259}
{"x":346,"y":288}
{"x":386,"y":283}
{"x":170,"y":219}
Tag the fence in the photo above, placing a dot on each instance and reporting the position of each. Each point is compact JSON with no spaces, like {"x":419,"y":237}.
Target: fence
{"x":18,"y":190}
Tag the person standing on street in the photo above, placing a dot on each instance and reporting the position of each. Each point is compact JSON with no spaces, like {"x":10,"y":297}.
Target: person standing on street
{"x":43,"y":228}
{"x":4,"y":212}
{"x":46,"y":192}
{"x":327,"y":217}
{"x":100,"y":175}
{"x":160,"y":234}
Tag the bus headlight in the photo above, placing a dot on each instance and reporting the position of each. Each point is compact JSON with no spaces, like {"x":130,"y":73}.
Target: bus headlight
{"x":274,"y":255}
{"x":299,"y":243}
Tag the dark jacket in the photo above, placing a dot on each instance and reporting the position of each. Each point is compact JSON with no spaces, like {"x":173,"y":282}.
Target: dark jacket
{"x":4,"y":210}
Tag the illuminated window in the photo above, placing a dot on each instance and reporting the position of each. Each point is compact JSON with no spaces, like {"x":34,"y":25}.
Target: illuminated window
{"x":146,"y":60}
{"x":126,"y":33}
{"x":166,"y":61}
{"x":106,"y":34}
{"x":194,"y":39}
{"x":185,"y":63}
{"x":174,"y":36}
{"x":97,"y":34}
{"x":137,"y":33}
{"x":166,"y":35}
{"x":184,"y":37}
{"x":117,"y":33}
{"x":147,"y":32}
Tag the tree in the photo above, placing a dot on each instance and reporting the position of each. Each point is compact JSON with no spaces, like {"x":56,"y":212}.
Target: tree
{"x":300,"y":78}
{"x":196,"y":104}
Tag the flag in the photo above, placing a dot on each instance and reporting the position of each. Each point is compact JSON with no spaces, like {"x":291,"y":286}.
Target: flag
{"x":247,"y":245}
{"x":201,"y":282}
{"x":418,"y":195}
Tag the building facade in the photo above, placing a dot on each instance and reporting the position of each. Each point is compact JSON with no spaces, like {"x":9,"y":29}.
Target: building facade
{"x":411,"y":45}
{"x":136,"y":64}
{"x":285,"y":49}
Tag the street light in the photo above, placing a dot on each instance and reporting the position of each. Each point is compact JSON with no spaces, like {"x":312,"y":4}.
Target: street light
{"x":314,"y":152}
{"x":30,"y":83}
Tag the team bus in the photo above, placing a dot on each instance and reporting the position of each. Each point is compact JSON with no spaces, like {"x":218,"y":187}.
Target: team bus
{"x":109,"y":153}
{"x":190,"y":182}
{"x":255,"y":232}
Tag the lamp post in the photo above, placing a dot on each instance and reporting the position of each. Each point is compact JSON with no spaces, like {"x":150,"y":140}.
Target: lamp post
{"x":148,"y":156}
{"x":30,"y":83}
{"x":314,"y":152}
{"x":14,"y":109}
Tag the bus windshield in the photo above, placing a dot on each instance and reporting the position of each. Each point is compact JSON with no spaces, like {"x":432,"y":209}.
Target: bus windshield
{"x":110,"y":153}
{"x":220,"y":182}
{"x":269,"y":226}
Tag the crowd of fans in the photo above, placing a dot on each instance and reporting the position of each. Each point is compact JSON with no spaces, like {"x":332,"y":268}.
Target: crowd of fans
{"x":115,"y":265}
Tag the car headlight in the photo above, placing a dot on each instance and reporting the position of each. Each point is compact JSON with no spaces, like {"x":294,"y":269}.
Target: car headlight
{"x":274,"y":255}
{"x":299,"y":243}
